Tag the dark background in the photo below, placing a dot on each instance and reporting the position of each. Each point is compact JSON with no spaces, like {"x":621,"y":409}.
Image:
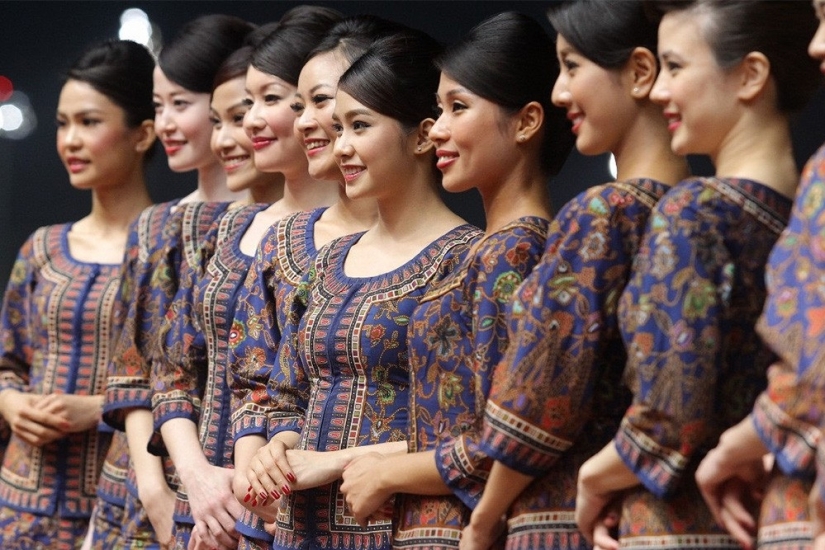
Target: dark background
{"x":38,"y":40}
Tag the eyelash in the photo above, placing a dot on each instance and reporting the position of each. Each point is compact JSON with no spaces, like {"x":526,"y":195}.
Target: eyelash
{"x":320,"y":98}
{"x":297,"y":108}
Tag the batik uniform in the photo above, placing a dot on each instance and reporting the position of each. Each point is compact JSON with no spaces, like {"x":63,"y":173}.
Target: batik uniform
{"x":556,"y":396}
{"x":56,"y":326}
{"x":343,"y":377}
{"x":148,"y":283}
{"x":788,"y":414}
{"x":457,"y":337}
{"x":282,"y":258}
{"x":179,"y":367}
{"x":695,"y":362}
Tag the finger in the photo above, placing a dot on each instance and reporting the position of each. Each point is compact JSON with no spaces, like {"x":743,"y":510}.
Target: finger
{"x":711,"y":496}
{"x":736,"y":531}
{"x":262,"y":482}
{"x":602,"y":538}
{"x":733,"y":505}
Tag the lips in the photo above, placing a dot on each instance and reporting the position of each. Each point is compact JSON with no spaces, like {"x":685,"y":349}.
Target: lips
{"x":259,"y":143}
{"x":445,"y":158}
{"x":172,"y":147}
{"x":76,"y":165}
{"x":673,"y":121}
{"x":231,"y":164}
{"x":314,"y":146}
{"x":352,"y":172}
{"x":576,"y":118}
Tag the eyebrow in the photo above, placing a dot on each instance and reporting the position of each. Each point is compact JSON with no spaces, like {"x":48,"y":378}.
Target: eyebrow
{"x":321,"y":85}
{"x":355,"y":112}
{"x":83,"y":112}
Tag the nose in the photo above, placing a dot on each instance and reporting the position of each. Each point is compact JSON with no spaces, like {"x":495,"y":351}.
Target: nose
{"x":71,"y":136}
{"x":342,"y":148}
{"x":222,"y":136}
{"x":660,"y":93}
{"x":439,"y":132}
{"x":305,"y":121}
{"x":561,"y":96}
{"x":816,"y":48}
{"x":252,"y":121}
{"x":163,"y":122}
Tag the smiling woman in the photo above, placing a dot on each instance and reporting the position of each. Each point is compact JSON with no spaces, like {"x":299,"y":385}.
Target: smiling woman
{"x":58,"y":313}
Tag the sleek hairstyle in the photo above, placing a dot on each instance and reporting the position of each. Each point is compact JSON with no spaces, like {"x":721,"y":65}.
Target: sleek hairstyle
{"x":509,"y":60}
{"x":605,"y":31}
{"x":122,"y":71}
{"x":397,"y":77}
{"x":779,"y":30}
{"x":354,"y":35}
{"x":194,"y":55}
{"x":283,"y":52}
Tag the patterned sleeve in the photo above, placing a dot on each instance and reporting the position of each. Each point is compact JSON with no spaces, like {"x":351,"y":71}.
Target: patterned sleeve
{"x":179,"y":372}
{"x":288,"y":386}
{"x":18,"y":349}
{"x":498,"y":272}
{"x":253,"y":342}
{"x":544,"y":387}
{"x":789,"y":414}
{"x":671,"y":313}
{"x":148,"y":278}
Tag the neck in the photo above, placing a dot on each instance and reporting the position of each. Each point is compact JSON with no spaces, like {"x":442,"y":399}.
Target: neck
{"x":524,"y":193}
{"x":759,"y":149}
{"x":212,"y":186}
{"x":115,"y":208}
{"x":360,"y":213}
{"x":268,"y":191}
{"x":645,"y":151}
{"x":305,"y":193}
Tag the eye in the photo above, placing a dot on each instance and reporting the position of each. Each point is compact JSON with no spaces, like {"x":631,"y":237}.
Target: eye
{"x":297,"y":108}
{"x":272,"y":98}
{"x":438,"y":110}
{"x":60,"y":123}
{"x":247,"y":102}
{"x":337,"y":128}
{"x":214,"y":120}
{"x":458,"y":106}
{"x":570,"y":65}
{"x":320,"y":98}
{"x":91,"y":122}
{"x":180,"y":104}
{"x":157,"y":106}
{"x":359,"y":125}
{"x":672,"y":66}
{"x":237,"y":119}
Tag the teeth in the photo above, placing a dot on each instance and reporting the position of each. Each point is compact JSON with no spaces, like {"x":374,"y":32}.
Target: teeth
{"x":316,"y":144}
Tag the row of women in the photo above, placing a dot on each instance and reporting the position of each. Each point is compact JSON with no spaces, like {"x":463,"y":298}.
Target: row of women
{"x":312,"y":351}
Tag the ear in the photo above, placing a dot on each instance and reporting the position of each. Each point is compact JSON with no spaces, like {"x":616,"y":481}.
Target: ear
{"x":423,"y":144}
{"x":528,"y":122}
{"x":755,"y":70}
{"x":642,"y":70}
{"x":145,"y":136}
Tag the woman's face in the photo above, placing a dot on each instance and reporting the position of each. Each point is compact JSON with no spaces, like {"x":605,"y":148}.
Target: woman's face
{"x":475,"y":139}
{"x":816,"y":48}
{"x":182,"y":124}
{"x":597,"y":101}
{"x":314,"y":105}
{"x":93,"y":141}
{"x":372,"y":150}
{"x":269,"y":124}
{"x":229,"y":140}
{"x":698,"y":97}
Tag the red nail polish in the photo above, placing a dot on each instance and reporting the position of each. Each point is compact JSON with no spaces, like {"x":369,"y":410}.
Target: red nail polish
{"x":286,"y":489}
{"x":254,"y":502}
{"x":262,"y":494}
{"x":247,"y":497}
{"x":291,"y":477}
{"x":250,"y":488}
{"x":275,"y":494}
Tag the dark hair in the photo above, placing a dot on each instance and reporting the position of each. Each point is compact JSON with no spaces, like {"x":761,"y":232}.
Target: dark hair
{"x":194,"y":55}
{"x":122,"y":71}
{"x":233,"y":66}
{"x":509,"y":59}
{"x":397,"y":77}
{"x":283,"y":52}
{"x":604,"y":31}
{"x":779,"y":30}
{"x":354,"y":35}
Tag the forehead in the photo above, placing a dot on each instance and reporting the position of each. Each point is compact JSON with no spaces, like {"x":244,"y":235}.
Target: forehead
{"x":79,"y":96}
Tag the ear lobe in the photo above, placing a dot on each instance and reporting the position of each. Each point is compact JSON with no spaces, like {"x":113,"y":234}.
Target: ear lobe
{"x":643,"y":70}
{"x":422,"y":136}
{"x":530,"y":120}
{"x":145,"y":136}
{"x":756,"y":72}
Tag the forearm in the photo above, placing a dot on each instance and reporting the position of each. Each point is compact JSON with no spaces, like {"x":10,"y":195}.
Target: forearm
{"x":148,"y":467}
{"x":413,"y":473}
{"x":180,"y":436}
{"x":605,"y":473}
{"x":502,"y":488}
{"x":740,"y":445}
{"x":245,"y":449}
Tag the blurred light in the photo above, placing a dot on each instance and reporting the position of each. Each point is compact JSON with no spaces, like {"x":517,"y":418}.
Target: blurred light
{"x":611,"y":165}
{"x":6,"y":88}
{"x":17,"y":118}
{"x":135,"y":26}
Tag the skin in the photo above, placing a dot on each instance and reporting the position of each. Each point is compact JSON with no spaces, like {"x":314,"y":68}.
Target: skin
{"x":731,"y":116}
{"x":622,"y":120}
{"x":733,"y":470}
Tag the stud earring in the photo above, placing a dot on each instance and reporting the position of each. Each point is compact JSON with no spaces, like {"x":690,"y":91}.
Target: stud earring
{"x":418,"y":148}
{"x":521,"y":138}
{"x":636,"y":90}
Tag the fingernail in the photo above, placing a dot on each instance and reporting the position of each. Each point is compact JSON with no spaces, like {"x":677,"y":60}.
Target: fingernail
{"x":291,"y":477}
{"x":262,"y":494}
{"x":247,"y":497}
{"x":250,"y":488}
{"x":254,"y":502}
{"x":275,"y":494}
{"x":286,"y":489}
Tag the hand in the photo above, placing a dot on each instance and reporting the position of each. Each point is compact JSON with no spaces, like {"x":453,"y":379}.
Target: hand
{"x":160,"y":508}
{"x":315,"y":468}
{"x":197,"y":541}
{"x":728,"y":491}
{"x":214,"y":507}
{"x":480,"y":534}
{"x":362,"y":487}
{"x":590,"y":508}
{"x":269,"y":474}
{"x":242,"y":490}
{"x":82,"y":412}
{"x":31,"y":422}
{"x":605,"y":536}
